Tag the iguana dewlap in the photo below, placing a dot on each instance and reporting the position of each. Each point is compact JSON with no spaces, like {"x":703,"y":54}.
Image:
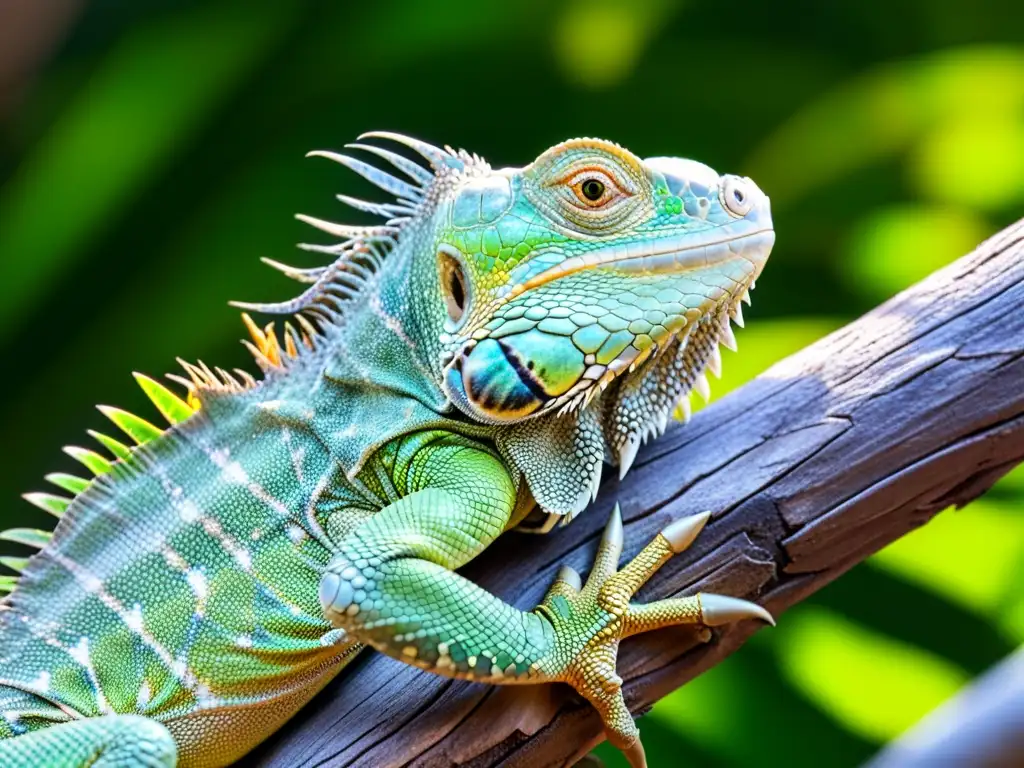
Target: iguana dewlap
{"x":483,"y":352}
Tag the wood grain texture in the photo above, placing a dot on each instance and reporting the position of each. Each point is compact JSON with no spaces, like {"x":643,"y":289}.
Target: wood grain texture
{"x":810,"y":468}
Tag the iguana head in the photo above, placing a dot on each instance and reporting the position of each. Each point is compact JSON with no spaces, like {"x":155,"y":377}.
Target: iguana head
{"x":570,"y":274}
{"x":569,"y":305}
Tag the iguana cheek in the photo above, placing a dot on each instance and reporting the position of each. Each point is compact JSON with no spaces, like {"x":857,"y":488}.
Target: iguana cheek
{"x":509,"y":379}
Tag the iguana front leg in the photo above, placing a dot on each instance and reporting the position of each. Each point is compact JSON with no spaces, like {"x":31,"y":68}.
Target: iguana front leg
{"x":392,"y":586}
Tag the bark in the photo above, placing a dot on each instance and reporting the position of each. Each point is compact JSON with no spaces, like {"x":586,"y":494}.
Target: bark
{"x":809,"y":469}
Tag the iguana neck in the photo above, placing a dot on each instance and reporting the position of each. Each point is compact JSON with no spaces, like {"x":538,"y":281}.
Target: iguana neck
{"x":370,"y":380}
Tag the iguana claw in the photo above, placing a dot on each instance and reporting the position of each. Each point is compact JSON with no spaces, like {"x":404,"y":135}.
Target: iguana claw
{"x":589,"y":621}
{"x":716,"y":610}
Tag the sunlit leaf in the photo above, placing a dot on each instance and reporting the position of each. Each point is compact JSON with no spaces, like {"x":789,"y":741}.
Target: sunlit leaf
{"x":1014,"y":480}
{"x":598,"y":42}
{"x":730,"y":699}
{"x":875,"y":685}
{"x":977,"y":161}
{"x":896,"y":246}
{"x":888,"y":110}
{"x":973,"y":556}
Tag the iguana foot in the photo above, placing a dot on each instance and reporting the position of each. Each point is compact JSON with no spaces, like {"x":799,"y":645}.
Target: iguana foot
{"x":590,"y":620}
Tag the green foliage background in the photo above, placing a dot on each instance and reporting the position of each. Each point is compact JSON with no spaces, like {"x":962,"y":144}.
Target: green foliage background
{"x":158,"y":151}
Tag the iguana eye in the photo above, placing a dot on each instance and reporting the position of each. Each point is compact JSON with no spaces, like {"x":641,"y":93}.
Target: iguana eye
{"x":454,"y":287}
{"x":593,"y":188}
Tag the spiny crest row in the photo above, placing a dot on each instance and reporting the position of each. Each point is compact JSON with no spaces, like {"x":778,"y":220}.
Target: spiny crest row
{"x":362,"y":249}
{"x":173,"y":408}
{"x":266,"y":348}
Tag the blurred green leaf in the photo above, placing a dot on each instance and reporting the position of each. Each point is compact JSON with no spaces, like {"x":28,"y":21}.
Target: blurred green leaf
{"x":597,"y":42}
{"x":976,"y":161}
{"x":896,"y":246}
{"x":972,"y":556}
{"x":875,"y":685}
{"x":145,"y":100}
{"x":744,"y":712}
{"x":893,"y":108}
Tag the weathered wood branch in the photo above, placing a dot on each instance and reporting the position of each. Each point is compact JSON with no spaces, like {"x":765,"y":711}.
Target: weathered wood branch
{"x":809,"y":469}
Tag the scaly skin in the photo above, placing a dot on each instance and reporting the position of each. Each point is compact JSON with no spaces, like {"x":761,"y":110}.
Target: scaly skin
{"x":464,"y":369}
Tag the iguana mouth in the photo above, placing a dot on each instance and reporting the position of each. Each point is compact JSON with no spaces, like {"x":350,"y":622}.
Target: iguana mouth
{"x":657,"y":256}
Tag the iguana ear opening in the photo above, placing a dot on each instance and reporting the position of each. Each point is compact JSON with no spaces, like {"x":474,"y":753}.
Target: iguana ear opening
{"x":561,"y":458}
{"x":455,"y":287}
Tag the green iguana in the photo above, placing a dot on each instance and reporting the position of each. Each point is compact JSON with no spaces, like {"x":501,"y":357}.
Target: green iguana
{"x":463,"y":369}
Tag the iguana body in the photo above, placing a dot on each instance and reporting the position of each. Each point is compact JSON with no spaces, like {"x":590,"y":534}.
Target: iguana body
{"x":483,"y":352}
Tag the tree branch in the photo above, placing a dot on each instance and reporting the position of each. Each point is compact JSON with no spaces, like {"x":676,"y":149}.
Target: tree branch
{"x":810,"y":468}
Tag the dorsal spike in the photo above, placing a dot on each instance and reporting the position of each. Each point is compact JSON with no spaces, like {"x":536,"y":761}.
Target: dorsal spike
{"x":139,"y":430}
{"x":70,"y":483}
{"x":228,"y":380}
{"x":30,"y":537}
{"x":320,"y":291}
{"x":312,"y":333}
{"x":254,"y":330}
{"x":171,"y":407}
{"x":273,"y":349}
{"x":261,"y":359}
{"x":276,"y":308}
{"x":436,"y":156}
{"x":346,"y":230}
{"x":376,"y":176}
{"x":16,"y":564}
{"x":331,"y":250}
{"x":405,"y":165}
{"x":290,"y":335}
{"x":199,"y":379}
{"x":189,"y":386}
{"x":387,"y":210}
{"x":48,"y":502}
{"x":208,"y":373}
{"x":90,"y":459}
{"x":117,"y":449}
{"x":303,"y":275}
